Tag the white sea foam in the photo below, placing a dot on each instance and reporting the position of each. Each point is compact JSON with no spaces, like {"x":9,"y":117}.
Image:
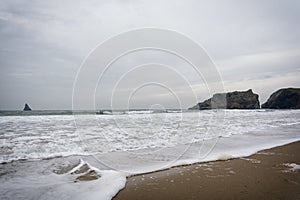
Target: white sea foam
{"x":34,"y":137}
{"x":224,"y":156}
{"x":107,"y":113}
{"x":139,"y":112}
{"x":63,"y":186}
{"x":105,"y":187}
{"x":292,"y":167}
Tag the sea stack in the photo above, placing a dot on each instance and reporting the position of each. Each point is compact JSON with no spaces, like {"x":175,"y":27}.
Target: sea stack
{"x":231,"y":100}
{"x":27,"y":108}
{"x":285,"y":98}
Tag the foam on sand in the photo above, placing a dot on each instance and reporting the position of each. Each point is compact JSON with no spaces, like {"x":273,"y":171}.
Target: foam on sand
{"x":76,"y":181}
{"x":293,"y":167}
{"x":224,"y":157}
{"x":95,"y":183}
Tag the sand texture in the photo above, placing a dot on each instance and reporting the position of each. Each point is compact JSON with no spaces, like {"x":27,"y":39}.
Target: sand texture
{"x":269,"y":174}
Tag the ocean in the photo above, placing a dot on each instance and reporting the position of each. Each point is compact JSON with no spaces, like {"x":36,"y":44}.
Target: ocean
{"x":42,"y":152}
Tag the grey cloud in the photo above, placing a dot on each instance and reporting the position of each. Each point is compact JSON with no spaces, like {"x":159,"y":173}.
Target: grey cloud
{"x":255,"y":44}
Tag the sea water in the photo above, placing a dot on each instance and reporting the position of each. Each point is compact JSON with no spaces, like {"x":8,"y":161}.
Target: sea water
{"x":118,"y":144}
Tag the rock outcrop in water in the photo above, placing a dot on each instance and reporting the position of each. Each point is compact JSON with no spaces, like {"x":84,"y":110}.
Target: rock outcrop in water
{"x":26,"y":108}
{"x":286,"y":98}
{"x":231,"y":100}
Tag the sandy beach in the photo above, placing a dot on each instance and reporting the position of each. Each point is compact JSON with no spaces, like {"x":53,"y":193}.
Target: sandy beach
{"x":268,"y":174}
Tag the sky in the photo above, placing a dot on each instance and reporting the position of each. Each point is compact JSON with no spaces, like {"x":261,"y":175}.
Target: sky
{"x":253,"y":44}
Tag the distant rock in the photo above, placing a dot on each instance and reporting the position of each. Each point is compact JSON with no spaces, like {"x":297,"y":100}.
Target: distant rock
{"x":26,"y":108}
{"x":231,"y":100}
{"x":286,"y":98}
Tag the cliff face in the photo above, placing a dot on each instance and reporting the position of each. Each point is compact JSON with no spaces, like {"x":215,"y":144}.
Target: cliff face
{"x":286,"y":98}
{"x":231,"y":100}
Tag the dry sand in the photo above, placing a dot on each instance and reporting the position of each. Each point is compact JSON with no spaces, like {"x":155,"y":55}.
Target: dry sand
{"x":260,"y":176}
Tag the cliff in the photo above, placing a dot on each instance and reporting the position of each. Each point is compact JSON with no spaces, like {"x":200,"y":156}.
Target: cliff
{"x":286,"y":98}
{"x":231,"y":100}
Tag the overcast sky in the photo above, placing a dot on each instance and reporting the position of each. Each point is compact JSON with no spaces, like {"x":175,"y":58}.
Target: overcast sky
{"x":254,"y":44}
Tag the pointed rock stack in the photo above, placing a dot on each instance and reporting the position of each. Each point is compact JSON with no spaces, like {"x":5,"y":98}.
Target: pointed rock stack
{"x":26,"y":107}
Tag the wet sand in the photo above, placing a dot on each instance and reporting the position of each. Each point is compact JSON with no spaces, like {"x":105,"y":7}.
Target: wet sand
{"x":264,"y":175}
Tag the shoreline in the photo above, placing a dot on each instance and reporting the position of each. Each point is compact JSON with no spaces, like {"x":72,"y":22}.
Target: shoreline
{"x":266,"y":174}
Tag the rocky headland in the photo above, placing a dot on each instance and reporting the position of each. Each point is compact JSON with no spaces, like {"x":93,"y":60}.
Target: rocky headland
{"x":231,"y":100}
{"x":285,"y":98}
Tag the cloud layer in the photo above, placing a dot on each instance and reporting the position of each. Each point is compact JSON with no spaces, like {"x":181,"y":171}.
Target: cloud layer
{"x":255,"y":44}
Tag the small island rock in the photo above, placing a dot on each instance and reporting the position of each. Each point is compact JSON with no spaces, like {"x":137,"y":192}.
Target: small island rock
{"x":26,"y":108}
